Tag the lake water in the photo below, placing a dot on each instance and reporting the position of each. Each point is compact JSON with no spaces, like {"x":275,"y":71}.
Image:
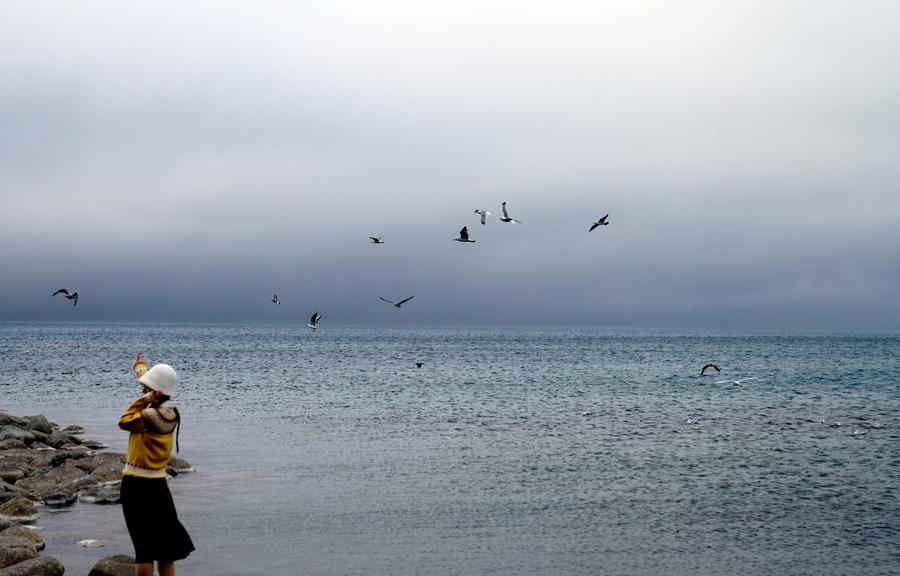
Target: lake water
{"x":510,"y":452}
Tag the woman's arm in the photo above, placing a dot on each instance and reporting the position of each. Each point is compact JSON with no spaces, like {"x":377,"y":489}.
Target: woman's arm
{"x":131,"y":419}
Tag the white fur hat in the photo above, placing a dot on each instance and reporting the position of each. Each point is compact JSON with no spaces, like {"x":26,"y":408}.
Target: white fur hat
{"x":160,"y":378}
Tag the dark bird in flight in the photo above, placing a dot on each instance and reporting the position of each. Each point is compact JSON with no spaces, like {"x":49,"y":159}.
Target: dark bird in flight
{"x":376,"y":239}
{"x":73,"y":296}
{"x":314,"y":320}
{"x":397,"y":304}
{"x":275,"y":299}
{"x":484,"y":214}
{"x":506,"y":217}
{"x":600,"y":222}
{"x":713,"y":366}
{"x":463,"y":235}
{"x":418,"y":364}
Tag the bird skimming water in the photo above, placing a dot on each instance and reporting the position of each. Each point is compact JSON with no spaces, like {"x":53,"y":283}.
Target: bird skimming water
{"x":314,"y":320}
{"x":73,"y":296}
{"x":736,"y":382}
{"x":710,"y":365}
{"x":376,"y":239}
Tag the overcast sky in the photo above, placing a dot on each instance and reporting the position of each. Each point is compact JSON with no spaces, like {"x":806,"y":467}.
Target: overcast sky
{"x":179,"y":161}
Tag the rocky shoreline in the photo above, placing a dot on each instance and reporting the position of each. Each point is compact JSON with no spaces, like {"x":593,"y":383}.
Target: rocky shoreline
{"x":43,"y":465}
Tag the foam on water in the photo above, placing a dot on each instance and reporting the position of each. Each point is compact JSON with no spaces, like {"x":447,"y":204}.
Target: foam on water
{"x":511,"y":451}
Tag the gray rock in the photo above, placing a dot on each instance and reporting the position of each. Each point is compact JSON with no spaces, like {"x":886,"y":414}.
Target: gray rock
{"x":73,"y":429}
{"x":179,"y":465}
{"x":14,"y":550}
{"x":119,"y":565}
{"x":108,"y":473}
{"x":46,"y":460}
{"x":102,"y":493}
{"x":58,"y":487}
{"x":25,"y":533}
{"x":39,"y":423}
{"x":4,"y":524}
{"x":95,"y":461}
{"x":39,"y":436}
{"x":11,"y":475}
{"x":8,"y":491}
{"x":16,"y":433}
{"x":94,"y":445}
{"x":7,"y":419}
{"x":18,"y":509}
{"x":12,"y":444}
{"x":41,"y":566}
{"x":59,"y":439}
{"x":40,"y":446}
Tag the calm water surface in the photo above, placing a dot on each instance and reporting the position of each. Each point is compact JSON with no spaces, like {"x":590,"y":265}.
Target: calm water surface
{"x":511,"y":452}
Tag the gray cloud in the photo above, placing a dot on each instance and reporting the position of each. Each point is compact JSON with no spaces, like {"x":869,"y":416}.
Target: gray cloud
{"x":184,"y":162}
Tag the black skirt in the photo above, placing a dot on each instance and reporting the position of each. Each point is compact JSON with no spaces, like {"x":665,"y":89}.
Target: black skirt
{"x":152,"y":522}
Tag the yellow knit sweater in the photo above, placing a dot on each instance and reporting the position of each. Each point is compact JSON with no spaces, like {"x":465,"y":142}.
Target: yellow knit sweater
{"x":148,"y":452}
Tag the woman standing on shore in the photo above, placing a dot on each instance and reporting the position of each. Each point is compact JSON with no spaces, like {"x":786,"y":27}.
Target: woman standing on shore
{"x":149,"y":510}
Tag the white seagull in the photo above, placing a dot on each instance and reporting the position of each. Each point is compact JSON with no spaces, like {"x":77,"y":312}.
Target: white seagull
{"x":506,"y":217}
{"x":397,"y":304}
{"x":376,"y":239}
{"x":314,"y":320}
{"x":600,"y":222}
{"x":483,"y":213}
{"x":463,"y":235}
{"x":736,"y":382}
{"x":275,"y":299}
{"x":73,"y":296}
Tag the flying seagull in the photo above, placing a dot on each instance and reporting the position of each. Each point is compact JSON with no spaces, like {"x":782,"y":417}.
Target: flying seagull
{"x":736,"y":382}
{"x":314,"y":320}
{"x":713,"y":366}
{"x":506,"y":217}
{"x":275,"y":299}
{"x":483,"y":213}
{"x":398,"y":304}
{"x":73,"y":296}
{"x":376,"y":239}
{"x":600,"y":222}
{"x":463,"y":235}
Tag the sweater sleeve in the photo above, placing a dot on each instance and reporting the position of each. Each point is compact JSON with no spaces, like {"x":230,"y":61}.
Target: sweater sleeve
{"x":131,"y":419}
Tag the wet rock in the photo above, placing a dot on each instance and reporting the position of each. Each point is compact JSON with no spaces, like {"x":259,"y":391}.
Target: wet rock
{"x":96,"y":461}
{"x":90,"y":543}
{"x":25,"y":533}
{"x":4,"y":524}
{"x":73,"y":429}
{"x":94,"y":445}
{"x":40,"y":446}
{"x":58,"y":487}
{"x":46,"y":460}
{"x":61,"y":498}
{"x":16,"y":433}
{"x":179,"y":465}
{"x":119,"y":565}
{"x":12,"y":444}
{"x":102,"y":493}
{"x":39,"y":423}
{"x":14,"y":550}
{"x":39,"y":436}
{"x":19,"y":509}
{"x":42,"y":566}
{"x":8,"y":491}
{"x":60,"y":439}
{"x":7,"y":419}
